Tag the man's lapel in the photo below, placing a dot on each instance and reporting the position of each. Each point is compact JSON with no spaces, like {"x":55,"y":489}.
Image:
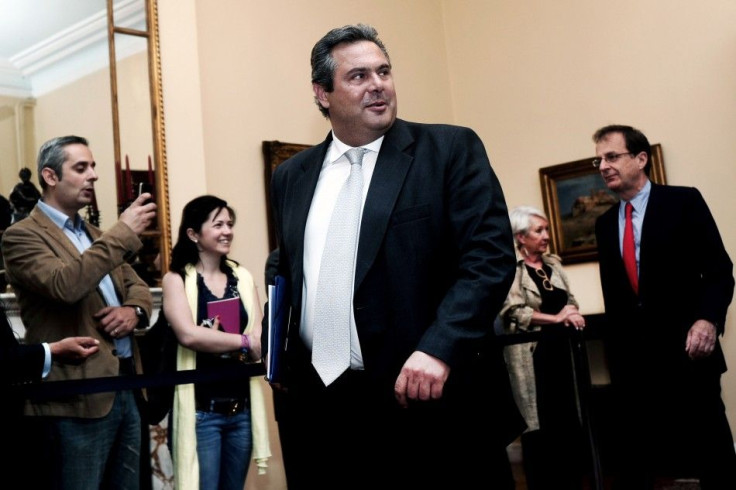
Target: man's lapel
{"x":65,"y":245}
{"x":297,"y":210}
{"x":654,"y":216}
{"x":391,"y":169}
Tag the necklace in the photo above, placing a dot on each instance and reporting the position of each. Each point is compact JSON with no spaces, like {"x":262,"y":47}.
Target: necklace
{"x":546,"y":284}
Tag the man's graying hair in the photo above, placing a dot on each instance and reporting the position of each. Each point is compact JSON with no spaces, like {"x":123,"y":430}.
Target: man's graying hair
{"x":635,"y":140}
{"x":324,"y":65}
{"x":53,"y":155}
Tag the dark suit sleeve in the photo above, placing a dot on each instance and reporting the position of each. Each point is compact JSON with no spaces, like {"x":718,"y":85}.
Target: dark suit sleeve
{"x":18,"y":362}
{"x":481,"y":240}
{"x":614,"y":282}
{"x":717,"y":283}
{"x":272,"y":267}
{"x":270,"y":272}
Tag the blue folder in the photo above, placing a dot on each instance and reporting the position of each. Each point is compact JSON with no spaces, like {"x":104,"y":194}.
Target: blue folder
{"x":278,"y":329}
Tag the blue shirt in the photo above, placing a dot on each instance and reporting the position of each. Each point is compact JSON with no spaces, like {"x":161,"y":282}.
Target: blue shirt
{"x":77,"y":234}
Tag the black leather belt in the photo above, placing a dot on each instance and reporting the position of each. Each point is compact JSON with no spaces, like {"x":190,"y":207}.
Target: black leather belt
{"x":223,"y":407}
{"x":127,"y":365}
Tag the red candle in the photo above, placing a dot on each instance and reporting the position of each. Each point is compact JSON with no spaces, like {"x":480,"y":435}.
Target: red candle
{"x":128,"y":180}
{"x":119,"y":182}
{"x":150,"y":172}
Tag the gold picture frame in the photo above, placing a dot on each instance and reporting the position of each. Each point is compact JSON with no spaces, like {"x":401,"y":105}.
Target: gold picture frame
{"x":274,"y":154}
{"x":574,"y":196}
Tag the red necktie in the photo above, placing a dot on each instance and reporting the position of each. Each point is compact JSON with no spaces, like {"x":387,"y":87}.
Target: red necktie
{"x":630,"y":250}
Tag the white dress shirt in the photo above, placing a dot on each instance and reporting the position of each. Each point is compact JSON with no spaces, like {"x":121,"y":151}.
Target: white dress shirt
{"x":334,"y":173}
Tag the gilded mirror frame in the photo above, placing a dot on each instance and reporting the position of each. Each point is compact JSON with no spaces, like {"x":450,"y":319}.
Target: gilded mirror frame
{"x":163,"y":229}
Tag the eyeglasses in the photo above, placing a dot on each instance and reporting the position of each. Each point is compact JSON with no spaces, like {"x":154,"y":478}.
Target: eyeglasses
{"x":609,"y":158}
{"x":545,"y":279}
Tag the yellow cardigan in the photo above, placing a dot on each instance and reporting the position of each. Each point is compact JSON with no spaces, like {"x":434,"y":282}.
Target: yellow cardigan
{"x":186,"y":467}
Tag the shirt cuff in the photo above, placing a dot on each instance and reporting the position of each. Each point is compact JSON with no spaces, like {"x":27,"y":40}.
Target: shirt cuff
{"x":47,"y":360}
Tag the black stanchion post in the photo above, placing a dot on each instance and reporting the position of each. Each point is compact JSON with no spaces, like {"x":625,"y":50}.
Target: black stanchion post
{"x":583,"y":389}
{"x":583,"y":385}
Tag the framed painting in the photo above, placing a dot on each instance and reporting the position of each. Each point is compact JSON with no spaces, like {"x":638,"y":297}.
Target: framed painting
{"x":274,"y":154}
{"x":574,"y":196}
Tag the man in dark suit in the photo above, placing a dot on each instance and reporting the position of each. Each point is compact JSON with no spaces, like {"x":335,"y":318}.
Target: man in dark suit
{"x":425,"y":401}
{"x":24,"y":363}
{"x":664,"y":321}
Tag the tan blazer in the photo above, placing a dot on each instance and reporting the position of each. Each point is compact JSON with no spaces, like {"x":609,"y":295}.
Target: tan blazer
{"x":57,"y":291}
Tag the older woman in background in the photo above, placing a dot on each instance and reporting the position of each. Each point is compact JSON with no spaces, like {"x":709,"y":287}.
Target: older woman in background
{"x":541,"y":372}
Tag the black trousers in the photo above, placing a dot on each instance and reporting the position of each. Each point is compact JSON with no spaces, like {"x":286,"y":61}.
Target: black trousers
{"x":353,"y":435}
{"x":673,"y":429}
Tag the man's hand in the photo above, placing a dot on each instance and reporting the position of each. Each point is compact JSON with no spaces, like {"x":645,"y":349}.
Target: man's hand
{"x":422,"y":377}
{"x":138,"y":215}
{"x":72,"y":349}
{"x":701,"y":339}
{"x":117,"y":321}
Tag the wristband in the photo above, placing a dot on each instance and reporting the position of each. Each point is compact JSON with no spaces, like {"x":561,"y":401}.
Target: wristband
{"x":244,"y":342}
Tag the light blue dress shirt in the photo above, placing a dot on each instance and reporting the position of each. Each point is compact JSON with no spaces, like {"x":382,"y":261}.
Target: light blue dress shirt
{"x":46,"y":360}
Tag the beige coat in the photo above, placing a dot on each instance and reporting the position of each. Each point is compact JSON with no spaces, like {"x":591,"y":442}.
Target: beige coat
{"x":522,"y":301}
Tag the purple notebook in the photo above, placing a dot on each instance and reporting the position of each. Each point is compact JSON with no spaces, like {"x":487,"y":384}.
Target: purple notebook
{"x":229,"y":311}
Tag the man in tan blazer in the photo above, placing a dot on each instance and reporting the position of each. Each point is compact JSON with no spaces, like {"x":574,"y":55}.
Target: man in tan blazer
{"x":71,"y":279}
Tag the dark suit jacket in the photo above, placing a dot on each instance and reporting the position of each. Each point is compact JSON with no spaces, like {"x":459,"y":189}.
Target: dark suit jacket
{"x":18,"y":362}
{"x":685,"y":274}
{"x":24,"y":442}
{"x":435,"y":259}
{"x":58,"y":294}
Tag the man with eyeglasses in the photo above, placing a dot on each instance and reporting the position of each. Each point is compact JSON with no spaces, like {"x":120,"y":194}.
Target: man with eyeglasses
{"x":665,"y":314}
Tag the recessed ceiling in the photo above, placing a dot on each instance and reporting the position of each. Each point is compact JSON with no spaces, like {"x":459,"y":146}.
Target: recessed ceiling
{"x":45,"y":44}
{"x":25,"y":23}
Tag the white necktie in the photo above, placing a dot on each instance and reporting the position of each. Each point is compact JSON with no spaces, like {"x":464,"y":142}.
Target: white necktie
{"x":333,"y":307}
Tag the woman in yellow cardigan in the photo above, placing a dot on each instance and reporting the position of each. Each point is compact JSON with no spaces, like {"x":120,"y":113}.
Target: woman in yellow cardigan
{"x":217,"y":426}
